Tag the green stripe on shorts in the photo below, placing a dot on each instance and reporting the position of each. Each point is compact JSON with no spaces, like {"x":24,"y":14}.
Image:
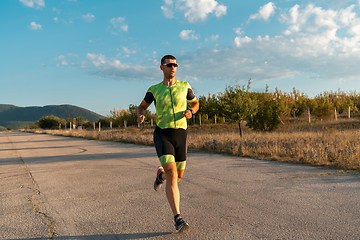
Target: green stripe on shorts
{"x":180,"y":165}
{"x":164,"y":159}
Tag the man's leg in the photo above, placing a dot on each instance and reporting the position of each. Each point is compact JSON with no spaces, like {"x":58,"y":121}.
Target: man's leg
{"x":173,"y":173}
{"x":171,"y":189}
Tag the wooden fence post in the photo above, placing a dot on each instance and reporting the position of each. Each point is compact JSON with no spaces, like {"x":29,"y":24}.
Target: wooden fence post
{"x":125,"y":124}
{"x":110,"y":124}
{"x":349,"y":113}
{"x":200,"y":119}
{"x":59,"y":126}
{"x":335,"y":115}
{"x":223,"y":119}
{"x":294,"y":116}
{"x":215,"y":118}
{"x":99,"y":126}
{"x":309,"y":118}
{"x":151,"y":122}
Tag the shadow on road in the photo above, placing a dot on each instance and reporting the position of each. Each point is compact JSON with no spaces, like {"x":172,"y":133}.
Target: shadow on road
{"x":105,"y":236}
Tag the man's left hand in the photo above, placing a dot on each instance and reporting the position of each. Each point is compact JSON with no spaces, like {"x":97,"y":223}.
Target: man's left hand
{"x":187,"y":114}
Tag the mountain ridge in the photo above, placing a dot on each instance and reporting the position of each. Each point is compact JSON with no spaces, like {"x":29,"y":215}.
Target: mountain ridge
{"x":10,"y":114}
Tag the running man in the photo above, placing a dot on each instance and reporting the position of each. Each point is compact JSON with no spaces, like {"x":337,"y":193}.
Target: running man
{"x":170,"y":136}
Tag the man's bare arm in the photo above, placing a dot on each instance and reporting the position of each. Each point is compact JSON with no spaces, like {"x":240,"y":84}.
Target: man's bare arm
{"x":194,"y":106}
{"x":141,"y":111}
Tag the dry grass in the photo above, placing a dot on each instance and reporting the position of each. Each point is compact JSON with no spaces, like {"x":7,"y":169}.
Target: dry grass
{"x":321,"y":145}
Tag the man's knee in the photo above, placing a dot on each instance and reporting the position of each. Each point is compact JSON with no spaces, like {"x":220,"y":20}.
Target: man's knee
{"x":171,"y":173}
{"x":170,"y":170}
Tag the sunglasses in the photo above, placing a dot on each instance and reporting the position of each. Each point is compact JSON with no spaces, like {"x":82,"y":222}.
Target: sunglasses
{"x":171,"y":65}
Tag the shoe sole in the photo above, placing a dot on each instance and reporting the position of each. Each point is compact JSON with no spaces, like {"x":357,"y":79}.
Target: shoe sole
{"x":183,"y":228}
{"x":157,"y":187}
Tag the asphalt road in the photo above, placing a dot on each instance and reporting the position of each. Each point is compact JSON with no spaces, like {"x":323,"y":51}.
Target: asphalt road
{"x":70,"y":188}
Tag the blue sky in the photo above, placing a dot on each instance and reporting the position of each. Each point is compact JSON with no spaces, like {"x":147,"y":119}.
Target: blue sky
{"x":105,"y":54}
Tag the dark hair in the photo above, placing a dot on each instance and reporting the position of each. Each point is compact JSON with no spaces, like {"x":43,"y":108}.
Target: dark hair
{"x":167,"y":57}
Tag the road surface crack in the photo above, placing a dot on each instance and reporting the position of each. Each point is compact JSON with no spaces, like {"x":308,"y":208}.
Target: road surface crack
{"x":36,"y":207}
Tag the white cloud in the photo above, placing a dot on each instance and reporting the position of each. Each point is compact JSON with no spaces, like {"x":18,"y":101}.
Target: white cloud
{"x":119,"y":23}
{"x":355,"y":28}
{"x":35,"y":26}
{"x":64,"y":62}
{"x":347,"y":15}
{"x":128,"y":51}
{"x":313,"y":19}
{"x":220,"y":10}
{"x":239,"y":40}
{"x":188,"y":35}
{"x":116,"y":69}
{"x":265,"y":12}
{"x":311,"y":46}
{"x":59,"y":57}
{"x":33,"y":3}
{"x":88,"y":17}
{"x":168,"y":8}
{"x":194,"y":10}
{"x":238,"y":31}
{"x":212,"y":37}
{"x":56,"y":20}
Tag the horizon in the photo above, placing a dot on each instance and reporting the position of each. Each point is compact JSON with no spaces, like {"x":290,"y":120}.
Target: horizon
{"x":105,"y":55}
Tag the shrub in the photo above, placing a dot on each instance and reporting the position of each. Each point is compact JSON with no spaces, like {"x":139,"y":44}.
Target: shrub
{"x":49,"y":122}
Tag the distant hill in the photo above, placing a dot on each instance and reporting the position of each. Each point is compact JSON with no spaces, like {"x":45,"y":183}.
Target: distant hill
{"x":5,"y":107}
{"x":18,"y":117}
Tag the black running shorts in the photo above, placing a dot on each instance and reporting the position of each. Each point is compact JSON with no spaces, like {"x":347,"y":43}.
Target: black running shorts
{"x":171,"y":146}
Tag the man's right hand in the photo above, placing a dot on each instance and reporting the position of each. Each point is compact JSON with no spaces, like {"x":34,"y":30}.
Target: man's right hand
{"x":140,"y":119}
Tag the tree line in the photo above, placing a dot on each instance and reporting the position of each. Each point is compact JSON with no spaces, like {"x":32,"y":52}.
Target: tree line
{"x":263,"y":111}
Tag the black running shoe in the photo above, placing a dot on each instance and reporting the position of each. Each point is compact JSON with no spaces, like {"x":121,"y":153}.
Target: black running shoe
{"x":181,"y":225}
{"x":158,"y":182}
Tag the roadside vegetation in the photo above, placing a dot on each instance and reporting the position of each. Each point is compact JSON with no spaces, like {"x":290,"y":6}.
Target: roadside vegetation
{"x":289,"y":127}
{"x":332,"y":144}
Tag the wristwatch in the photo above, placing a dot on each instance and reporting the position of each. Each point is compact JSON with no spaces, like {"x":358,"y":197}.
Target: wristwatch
{"x":192,"y":112}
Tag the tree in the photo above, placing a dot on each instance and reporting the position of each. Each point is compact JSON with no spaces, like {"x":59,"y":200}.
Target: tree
{"x":49,"y":122}
{"x":130,"y":116}
{"x":209,"y":105}
{"x":267,"y":116}
{"x":237,"y":104}
{"x":323,"y":105}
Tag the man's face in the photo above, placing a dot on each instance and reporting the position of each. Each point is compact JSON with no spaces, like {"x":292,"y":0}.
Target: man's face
{"x":169,"y":72}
